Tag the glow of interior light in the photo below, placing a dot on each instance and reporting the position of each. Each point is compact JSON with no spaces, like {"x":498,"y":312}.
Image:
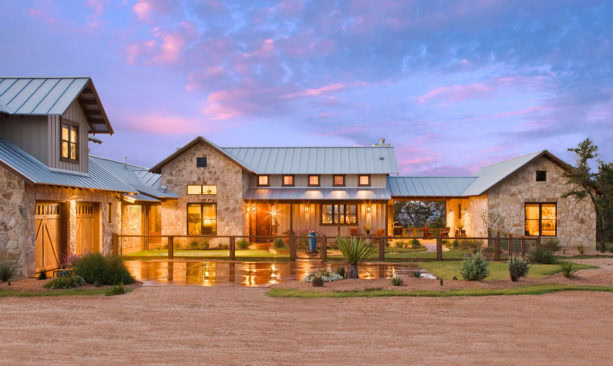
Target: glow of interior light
{"x":274,"y":212}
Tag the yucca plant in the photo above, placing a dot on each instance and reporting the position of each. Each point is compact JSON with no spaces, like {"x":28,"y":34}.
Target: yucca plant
{"x":355,"y":251}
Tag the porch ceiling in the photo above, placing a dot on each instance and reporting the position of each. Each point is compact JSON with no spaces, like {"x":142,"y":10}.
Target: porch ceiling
{"x":317,"y":194}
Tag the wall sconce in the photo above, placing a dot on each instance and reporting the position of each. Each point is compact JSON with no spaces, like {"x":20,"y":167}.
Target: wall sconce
{"x":306,"y":209}
{"x":368,"y":209}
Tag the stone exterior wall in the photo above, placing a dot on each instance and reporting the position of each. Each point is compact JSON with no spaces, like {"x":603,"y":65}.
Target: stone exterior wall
{"x":17,"y":236}
{"x":576,"y":219}
{"x":220,"y":171}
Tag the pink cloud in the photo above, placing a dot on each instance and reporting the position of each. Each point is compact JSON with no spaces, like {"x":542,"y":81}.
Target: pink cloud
{"x":142,"y":9}
{"x":170,"y":50}
{"x":197,"y":80}
{"x":220,"y":104}
{"x":134,"y":51}
{"x":311,"y":92}
{"x":456,"y":92}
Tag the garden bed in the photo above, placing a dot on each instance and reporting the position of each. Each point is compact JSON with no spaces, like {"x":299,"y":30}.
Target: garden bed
{"x":34,"y":287}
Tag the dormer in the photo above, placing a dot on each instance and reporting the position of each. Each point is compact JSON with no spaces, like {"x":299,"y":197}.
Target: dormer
{"x":51,"y":118}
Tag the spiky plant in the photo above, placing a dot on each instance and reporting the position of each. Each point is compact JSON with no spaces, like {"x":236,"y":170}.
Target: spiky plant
{"x":355,"y":251}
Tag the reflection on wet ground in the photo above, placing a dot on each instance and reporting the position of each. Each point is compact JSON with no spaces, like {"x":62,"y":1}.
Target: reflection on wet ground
{"x":210,"y":273}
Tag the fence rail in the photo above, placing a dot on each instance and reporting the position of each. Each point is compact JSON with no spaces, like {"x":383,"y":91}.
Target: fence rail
{"x":496,"y":246}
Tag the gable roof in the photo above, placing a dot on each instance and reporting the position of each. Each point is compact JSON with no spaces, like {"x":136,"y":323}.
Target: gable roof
{"x":317,"y":160}
{"x":52,"y":96}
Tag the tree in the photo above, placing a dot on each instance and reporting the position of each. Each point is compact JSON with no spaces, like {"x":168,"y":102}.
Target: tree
{"x":597,"y":186}
{"x":420,"y":213}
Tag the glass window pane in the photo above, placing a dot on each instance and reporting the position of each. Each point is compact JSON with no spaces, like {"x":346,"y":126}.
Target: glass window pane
{"x":73,"y":134}
{"x":288,"y":180}
{"x":548,"y":211}
{"x":193,"y":219}
{"x":532,"y":227}
{"x":548,"y":227}
{"x":263,"y":180}
{"x":65,"y":133}
{"x":73,"y":151}
{"x":352,"y":217}
{"x":209,"y":220}
{"x":313,"y":180}
{"x":339,"y":180}
{"x":532,"y":211}
{"x":327,"y":215}
{"x":65,"y":152}
{"x":209,"y":189}
{"x":194,"y":189}
{"x":364,"y":180}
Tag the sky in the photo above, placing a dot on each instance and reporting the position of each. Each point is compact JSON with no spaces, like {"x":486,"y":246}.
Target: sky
{"x":452,"y":85}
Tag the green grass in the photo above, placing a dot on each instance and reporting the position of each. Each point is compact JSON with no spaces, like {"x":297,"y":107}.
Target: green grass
{"x":54,"y":293}
{"x":498,"y":270}
{"x":526,"y":290}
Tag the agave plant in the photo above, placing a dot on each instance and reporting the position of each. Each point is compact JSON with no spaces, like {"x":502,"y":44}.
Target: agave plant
{"x":355,"y":251}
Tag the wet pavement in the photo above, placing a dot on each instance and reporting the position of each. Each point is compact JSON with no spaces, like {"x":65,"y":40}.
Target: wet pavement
{"x":211,"y":273}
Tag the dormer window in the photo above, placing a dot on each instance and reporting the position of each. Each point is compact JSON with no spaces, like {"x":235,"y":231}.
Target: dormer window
{"x":364,"y":180}
{"x":541,"y":175}
{"x":339,"y":180}
{"x":313,"y":180}
{"x":288,"y":180}
{"x":263,"y":180}
{"x":70,"y":142}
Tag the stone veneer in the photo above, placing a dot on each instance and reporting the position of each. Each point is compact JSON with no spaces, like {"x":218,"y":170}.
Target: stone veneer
{"x":576,"y":219}
{"x":220,"y":171}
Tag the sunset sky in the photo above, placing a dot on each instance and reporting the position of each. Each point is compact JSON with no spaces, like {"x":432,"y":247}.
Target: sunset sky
{"x":453,"y":85}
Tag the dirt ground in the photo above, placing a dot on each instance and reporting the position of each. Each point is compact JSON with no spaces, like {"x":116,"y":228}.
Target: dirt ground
{"x":237,"y":325}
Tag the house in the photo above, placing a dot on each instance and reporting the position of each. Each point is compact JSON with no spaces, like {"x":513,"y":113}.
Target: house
{"x":58,"y":200}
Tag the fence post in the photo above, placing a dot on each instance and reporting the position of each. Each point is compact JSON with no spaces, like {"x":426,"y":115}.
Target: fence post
{"x":292,"y":246}
{"x":522,"y":249}
{"x":171,"y":247}
{"x":382,"y":248}
{"x":232,"y":248}
{"x":538,"y":241}
{"x":115,"y":245}
{"x":324,"y":248}
{"x":497,"y":247}
{"x":439,"y":248}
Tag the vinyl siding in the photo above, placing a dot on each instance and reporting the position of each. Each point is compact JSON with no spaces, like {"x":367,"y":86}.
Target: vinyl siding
{"x":75,"y":114}
{"x":28,"y":132}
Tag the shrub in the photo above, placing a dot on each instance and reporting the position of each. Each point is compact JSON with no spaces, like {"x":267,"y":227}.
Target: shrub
{"x":415,"y":244}
{"x":397,"y":281}
{"x":580,"y":249}
{"x":553,"y":244}
{"x":118,"y":289}
{"x":243,"y":244}
{"x":355,"y":251}
{"x":7,"y":270}
{"x":341,"y":271}
{"x":610,"y":248}
{"x":42,"y":275}
{"x":488,"y":253}
{"x":317,"y":281}
{"x":568,"y":269}
{"x":474,"y":245}
{"x":279,"y":243}
{"x":518,"y":267}
{"x":204,"y":245}
{"x":416,"y":273}
{"x":70,"y":281}
{"x":193,"y":245}
{"x":541,"y":255}
{"x":399,"y":244}
{"x":96,"y":268}
{"x":455,"y":244}
{"x":474,"y":267}
{"x":324,"y":274}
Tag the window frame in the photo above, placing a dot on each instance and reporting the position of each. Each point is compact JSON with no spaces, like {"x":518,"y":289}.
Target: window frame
{"x":283,"y":180}
{"x":345,"y":204}
{"x":318,"y":180}
{"x":540,"y":219}
{"x":201,"y":189}
{"x":360,"y":178}
{"x":536,"y":175}
{"x":267,"y":180}
{"x":334,"y":180}
{"x":71,"y":125}
{"x":202,"y":205}
{"x":199,"y":159}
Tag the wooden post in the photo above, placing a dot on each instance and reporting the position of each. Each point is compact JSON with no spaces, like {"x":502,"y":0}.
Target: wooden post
{"x":489,"y":238}
{"x":291,"y":218}
{"x":382,"y":248}
{"x":171,"y":247}
{"x":497,"y":247}
{"x":522,"y":244}
{"x":292,"y":246}
{"x":538,"y":241}
{"x":439,"y":248}
{"x":115,"y":245}
{"x":232,"y":248}
{"x":324,"y":248}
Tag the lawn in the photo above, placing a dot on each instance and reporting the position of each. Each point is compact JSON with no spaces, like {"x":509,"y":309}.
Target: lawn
{"x":498,"y":270}
{"x":526,"y":290}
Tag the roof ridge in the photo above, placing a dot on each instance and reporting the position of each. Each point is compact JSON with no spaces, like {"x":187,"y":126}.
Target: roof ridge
{"x":45,"y":77}
{"x":515,"y":158}
{"x":433,"y":176}
{"x":304,"y":147}
{"x":117,"y":161}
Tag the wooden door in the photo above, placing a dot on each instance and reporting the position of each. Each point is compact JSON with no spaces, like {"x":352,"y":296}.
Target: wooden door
{"x":263,"y":223}
{"x":50,"y":248}
{"x":87,"y":228}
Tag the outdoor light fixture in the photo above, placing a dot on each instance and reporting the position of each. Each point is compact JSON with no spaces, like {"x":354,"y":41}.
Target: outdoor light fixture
{"x":368,"y":208}
{"x":274,"y":212}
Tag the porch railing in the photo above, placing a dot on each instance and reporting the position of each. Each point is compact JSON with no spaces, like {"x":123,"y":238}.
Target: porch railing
{"x":497,"y":245}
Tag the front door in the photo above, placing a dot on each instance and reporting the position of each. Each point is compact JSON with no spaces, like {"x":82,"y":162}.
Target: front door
{"x":87,"y":228}
{"x":49,"y":239}
{"x":263,"y":223}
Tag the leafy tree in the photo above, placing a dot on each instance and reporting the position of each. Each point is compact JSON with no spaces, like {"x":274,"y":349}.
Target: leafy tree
{"x":597,"y":186}
{"x":420,"y":213}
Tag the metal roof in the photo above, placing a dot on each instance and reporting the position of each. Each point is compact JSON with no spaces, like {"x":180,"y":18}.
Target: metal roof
{"x":37,"y":172}
{"x":315,"y":194}
{"x":316,"y":160}
{"x":52,"y":96}
{"x":428,"y":186}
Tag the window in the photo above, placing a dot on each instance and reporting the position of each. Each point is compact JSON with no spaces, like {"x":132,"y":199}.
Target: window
{"x":339,"y":214}
{"x":541,"y":176}
{"x":338,"y":180}
{"x":313,"y":180}
{"x":201,"y":189}
{"x":364,"y":180}
{"x":201,"y":162}
{"x":262,"y":180}
{"x":288,"y":180}
{"x":70,"y":142}
{"x":201,"y":219}
{"x":541,"y":219}
{"x":108,"y":212}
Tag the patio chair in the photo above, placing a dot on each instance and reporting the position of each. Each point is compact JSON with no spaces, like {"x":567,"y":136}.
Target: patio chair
{"x":355,"y":231}
{"x":445,"y":233}
{"x":380,"y":232}
{"x":426,"y":232}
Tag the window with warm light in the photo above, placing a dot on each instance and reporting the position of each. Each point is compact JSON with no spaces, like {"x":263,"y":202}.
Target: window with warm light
{"x":313,"y":180}
{"x":201,"y":219}
{"x":194,"y":189}
{"x":541,"y":219}
{"x":70,"y":142}
{"x":338,"y":180}
{"x":288,"y":180}
{"x":339,"y":214}
{"x":262,"y":180}
{"x":364,"y":180}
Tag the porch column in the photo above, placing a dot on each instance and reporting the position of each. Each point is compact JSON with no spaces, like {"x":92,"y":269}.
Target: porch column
{"x":291,"y":218}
